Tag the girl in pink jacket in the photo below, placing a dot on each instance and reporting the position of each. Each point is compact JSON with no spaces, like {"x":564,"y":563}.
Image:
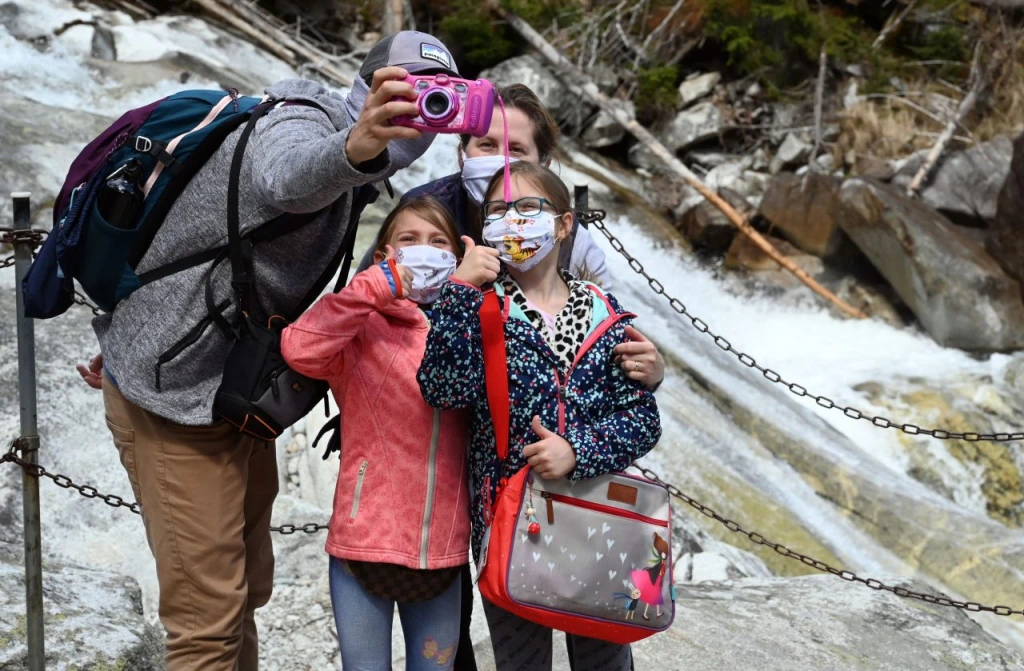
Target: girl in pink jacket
{"x":399,"y":531}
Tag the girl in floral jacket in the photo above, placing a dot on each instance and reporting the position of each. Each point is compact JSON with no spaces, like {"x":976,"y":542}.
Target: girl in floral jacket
{"x":573,"y":411}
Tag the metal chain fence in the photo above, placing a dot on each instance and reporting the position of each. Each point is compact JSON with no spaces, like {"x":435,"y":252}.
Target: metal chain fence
{"x":596,"y":217}
{"x":115,"y":501}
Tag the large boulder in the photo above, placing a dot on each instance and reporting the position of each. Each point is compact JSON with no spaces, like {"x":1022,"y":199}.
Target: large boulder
{"x":819,"y":623}
{"x":557,"y":97}
{"x":696,"y":86}
{"x":815,"y":622}
{"x":1006,"y":234}
{"x":792,"y":151}
{"x":40,"y":142}
{"x":701,"y":122}
{"x":803,"y":210}
{"x":92,"y":619}
{"x":963,"y":185}
{"x":708,"y":228}
{"x":604,"y":130}
{"x":958,"y":292}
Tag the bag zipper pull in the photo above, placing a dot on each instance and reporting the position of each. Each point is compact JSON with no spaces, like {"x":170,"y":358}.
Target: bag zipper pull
{"x":551,"y":506}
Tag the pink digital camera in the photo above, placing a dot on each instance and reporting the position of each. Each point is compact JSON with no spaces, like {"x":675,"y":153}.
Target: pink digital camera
{"x":450,"y":105}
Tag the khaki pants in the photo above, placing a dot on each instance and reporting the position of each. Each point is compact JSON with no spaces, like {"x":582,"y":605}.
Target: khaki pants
{"x":206,"y":495}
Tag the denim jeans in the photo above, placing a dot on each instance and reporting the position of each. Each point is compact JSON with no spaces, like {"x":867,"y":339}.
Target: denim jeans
{"x":364,"y":624}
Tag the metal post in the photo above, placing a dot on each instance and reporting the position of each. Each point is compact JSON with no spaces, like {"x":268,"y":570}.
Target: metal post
{"x":29,"y":443}
{"x":581,"y":198}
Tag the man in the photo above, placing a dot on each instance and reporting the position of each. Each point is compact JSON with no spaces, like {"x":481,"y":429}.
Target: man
{"x":206,"y":490}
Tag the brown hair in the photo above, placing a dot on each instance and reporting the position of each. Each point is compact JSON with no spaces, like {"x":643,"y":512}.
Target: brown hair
{"x":551,"y":186}
{"x":429,"y":209}
{"x":545,"y":129}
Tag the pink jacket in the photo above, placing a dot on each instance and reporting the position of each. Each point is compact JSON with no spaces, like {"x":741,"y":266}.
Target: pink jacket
{"x":402,"y":493}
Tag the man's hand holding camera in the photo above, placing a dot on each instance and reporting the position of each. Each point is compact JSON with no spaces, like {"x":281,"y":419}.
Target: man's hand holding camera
{"x":373,"y":130}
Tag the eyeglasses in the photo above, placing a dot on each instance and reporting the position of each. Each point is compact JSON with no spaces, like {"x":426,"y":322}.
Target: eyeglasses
{"x":530,"y":207}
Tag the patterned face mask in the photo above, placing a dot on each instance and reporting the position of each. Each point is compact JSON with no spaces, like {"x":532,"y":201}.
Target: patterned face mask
{"x":430,"y":267}
{"x":522,"y":242}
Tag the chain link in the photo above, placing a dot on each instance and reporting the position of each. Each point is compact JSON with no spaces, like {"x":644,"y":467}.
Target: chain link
{"x":113,"y":500}
{"x":35,"y":237}
{"x":10,"y":236}
{"x":819,"y":565}
{"x":80,"y":299}
{"x":596,"y":218}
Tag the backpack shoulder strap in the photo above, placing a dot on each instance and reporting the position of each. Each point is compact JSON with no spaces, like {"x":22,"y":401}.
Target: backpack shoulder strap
{"x":241,"y":262}
{"x":492,"y":331}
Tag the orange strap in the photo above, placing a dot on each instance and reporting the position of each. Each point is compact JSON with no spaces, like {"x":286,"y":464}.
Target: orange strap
{"x":396,"y":277}
{"x":492,"y":332}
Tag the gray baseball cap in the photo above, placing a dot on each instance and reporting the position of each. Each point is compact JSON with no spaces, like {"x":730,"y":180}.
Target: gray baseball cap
{"x":412,"y":50}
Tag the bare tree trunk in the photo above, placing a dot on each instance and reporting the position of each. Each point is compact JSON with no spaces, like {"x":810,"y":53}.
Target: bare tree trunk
{"x":394,"y":16}
{"x":978,"y":80}
{"x":232,"y":19}
{"x":582,"y":86}
{"x":819,"y":103}
{"x":890,"y":26}
{"x":248,"y":20}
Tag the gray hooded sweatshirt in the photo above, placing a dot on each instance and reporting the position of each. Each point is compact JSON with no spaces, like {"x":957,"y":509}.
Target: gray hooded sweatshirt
{"x":295,"y":162}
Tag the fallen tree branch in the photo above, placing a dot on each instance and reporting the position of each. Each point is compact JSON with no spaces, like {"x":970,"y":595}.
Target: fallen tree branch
{"x":581,"y":85}
{"x":236,"y":22}
{"x":890,"y":26}
{"x":253,"y":23}
{"x":642,"y":53}
{"x":819,"y":102}
{"x":978,"y":80}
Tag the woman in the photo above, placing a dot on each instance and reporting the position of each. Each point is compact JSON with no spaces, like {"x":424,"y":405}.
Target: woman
{"x":533,"y":137}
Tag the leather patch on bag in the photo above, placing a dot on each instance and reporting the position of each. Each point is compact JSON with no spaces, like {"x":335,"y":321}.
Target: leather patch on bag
{"x":622,"y":493}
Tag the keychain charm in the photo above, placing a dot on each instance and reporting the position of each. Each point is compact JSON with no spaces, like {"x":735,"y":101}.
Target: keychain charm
{"x":531,"y":516}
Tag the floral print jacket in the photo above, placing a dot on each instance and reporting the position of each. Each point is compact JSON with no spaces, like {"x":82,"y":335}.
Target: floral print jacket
{"x":608,"y":419}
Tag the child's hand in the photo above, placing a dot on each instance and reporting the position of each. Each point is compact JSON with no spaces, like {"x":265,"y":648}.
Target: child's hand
{"x":552,"y":457}
{"x":401,"y":285}
{"x":479,"y":266}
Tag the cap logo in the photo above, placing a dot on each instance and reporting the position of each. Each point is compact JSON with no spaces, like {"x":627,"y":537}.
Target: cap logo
{"x":435,"y":54}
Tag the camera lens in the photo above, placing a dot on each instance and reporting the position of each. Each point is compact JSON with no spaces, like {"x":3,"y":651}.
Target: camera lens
{"x":436,"y":103}
{"x":438,"y":106}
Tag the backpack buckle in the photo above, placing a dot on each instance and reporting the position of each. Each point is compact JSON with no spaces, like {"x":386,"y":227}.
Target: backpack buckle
{"x":143,"y":144}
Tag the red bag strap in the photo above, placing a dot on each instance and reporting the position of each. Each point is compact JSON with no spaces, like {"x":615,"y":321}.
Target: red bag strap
{"x":492,"y":332}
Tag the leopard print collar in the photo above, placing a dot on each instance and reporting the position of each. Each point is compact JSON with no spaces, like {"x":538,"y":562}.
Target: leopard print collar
{"x":572,"y":323}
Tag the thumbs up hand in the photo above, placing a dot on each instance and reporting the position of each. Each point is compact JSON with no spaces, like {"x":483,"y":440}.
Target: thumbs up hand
{"x":479,"y":266}
{"x":552,"y":456}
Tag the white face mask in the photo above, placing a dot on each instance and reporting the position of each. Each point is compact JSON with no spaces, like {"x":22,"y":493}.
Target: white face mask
{"x":522,"y":242}
{"x":478,"y":172}
{"x":430,"y":267}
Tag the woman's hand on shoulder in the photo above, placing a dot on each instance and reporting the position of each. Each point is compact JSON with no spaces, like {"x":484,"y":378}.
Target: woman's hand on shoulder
{"x":640,"y":359}
{"x":552,"y":456}
{"x":479,"y":266}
